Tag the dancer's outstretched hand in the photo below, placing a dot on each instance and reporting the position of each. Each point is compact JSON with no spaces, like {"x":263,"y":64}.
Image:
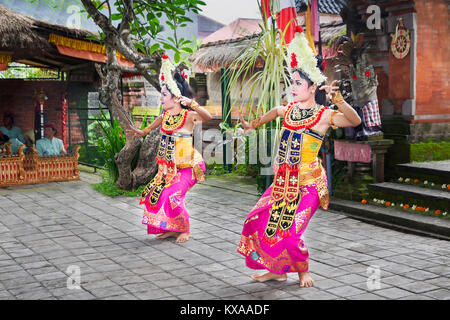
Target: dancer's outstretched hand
{"x":134,"y":132}
{"x":247,"y":126}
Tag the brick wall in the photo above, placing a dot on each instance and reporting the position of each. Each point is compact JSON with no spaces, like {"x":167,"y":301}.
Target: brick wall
{"x":399,"y":81}
{"x":433,"y":58}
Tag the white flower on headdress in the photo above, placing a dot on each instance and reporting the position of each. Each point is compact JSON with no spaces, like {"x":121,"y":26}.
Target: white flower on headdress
{"x":301,"y":56}
{"x":166,"y":77}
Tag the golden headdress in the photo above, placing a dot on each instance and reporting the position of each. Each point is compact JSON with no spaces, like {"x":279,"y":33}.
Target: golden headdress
{"x":301,"y":57}
{"x":166,"y":76}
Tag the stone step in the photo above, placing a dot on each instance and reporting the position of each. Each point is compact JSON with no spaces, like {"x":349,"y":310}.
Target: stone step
{"x":393,"y":219}
{"x":403,"y":193}
{"x":434,"y":171}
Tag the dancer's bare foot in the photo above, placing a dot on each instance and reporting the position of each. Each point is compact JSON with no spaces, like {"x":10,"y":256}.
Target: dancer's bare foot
{"x":167,"y":234}
{"x":269,"y":276}
{"x":305,"y":279}
{"x":182,"y":237}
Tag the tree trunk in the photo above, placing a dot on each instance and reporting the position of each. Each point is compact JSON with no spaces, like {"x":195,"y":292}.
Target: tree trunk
{"x":123,"y":161}
{"x":146,"y":167}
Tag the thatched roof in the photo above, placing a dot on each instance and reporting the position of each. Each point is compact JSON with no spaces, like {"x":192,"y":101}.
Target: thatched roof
{"x":16,"y":31}
{"x":19,"y":31}
{"x":26,"y":41}
{"x":215,"y":55}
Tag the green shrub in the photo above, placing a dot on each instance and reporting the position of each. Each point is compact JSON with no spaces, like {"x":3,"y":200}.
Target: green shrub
{"x":111,"y":142}
{"x":430,"y":151}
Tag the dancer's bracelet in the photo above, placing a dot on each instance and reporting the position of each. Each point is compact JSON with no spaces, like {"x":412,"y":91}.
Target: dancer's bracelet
{"x":146,"y":130}
{"x":338,"y":98}
{"x":194,"y":105}
{"x":256,"y":123}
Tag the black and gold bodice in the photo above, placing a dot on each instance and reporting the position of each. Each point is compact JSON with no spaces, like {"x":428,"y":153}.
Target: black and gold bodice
{"x":297,"y":164}
{"x":175,"y":151}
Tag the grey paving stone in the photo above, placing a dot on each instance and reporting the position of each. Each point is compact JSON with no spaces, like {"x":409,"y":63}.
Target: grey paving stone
{"x":443,"y":282}
{"x":366,"y":296}
{"x":396,"y":280}
{"x":225,"y":292}
{"x":152,"y":294}
{"x":327,"y":283}
{"x":105,"y":292}
{"x":182,"y":290}
{"x":345,"y":291}
{"x":37,"y":294}
{"x":441,"y":294}
{"x":5,"y":295}
{"x":168,"y":283}
{"x":421,"y":275}
{"x":350,"y":278}
{"x":273,"y":295}
{"x":197,"y":296}
{"x":318,"y":296}
{"x":417,"y":297}
{"x":214,"y":283}
{"x":419,"y":287}
{"x":393,"y":293}
{"x":140,"y":287}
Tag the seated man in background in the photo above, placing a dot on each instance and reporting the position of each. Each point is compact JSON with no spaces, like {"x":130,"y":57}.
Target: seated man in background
{"x":14,"y":133}
{"x":10,"y":129}
{"x":49,"y":145}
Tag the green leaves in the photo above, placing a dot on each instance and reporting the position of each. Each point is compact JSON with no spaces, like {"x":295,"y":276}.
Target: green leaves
{"x":112,"y":141}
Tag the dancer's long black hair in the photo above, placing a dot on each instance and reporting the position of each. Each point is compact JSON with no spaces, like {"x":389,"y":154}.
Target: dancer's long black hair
{"x":183,"y":85}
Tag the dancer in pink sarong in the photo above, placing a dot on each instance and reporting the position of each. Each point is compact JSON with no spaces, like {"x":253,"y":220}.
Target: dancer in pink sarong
{"x":180,"y":165}
{"x":271,"y":238}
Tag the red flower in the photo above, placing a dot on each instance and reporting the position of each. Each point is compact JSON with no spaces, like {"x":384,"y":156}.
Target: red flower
{"x":324,"y":65}
{"x":165,"y":56}
{"x":298,"y":29}
{"x":367,"y":73}
{"x":184,"y":75}
{"x":162,"y":76}
{"x":354,"y":77}
{"x":294,"y":62}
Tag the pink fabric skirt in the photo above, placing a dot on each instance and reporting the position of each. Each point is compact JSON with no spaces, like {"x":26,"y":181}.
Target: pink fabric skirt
{"x":170,"y":213}
{"x":286,"y":251}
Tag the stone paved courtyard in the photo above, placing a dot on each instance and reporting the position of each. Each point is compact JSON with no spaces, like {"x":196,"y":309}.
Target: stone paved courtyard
{"x":44,"y":229}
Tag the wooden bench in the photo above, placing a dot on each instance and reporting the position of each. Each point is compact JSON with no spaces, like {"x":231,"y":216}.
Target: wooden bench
{"x":29,"y":168}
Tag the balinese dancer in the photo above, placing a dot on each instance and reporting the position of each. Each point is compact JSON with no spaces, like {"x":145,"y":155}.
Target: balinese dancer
{"x":180,"y":165}
{"x":272,"y":234}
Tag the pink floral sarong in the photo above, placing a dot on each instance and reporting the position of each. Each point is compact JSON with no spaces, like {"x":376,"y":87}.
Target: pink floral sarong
{"x":285,"y":251}
{"x":170,"y":213}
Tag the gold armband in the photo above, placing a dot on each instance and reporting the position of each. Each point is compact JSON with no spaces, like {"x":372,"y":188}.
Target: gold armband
{"x":146,"y":130}
{"x":338,"y":98}
{"x":256,"y":123}
{"x":194,"y":105}
{"x":331,"y":119}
